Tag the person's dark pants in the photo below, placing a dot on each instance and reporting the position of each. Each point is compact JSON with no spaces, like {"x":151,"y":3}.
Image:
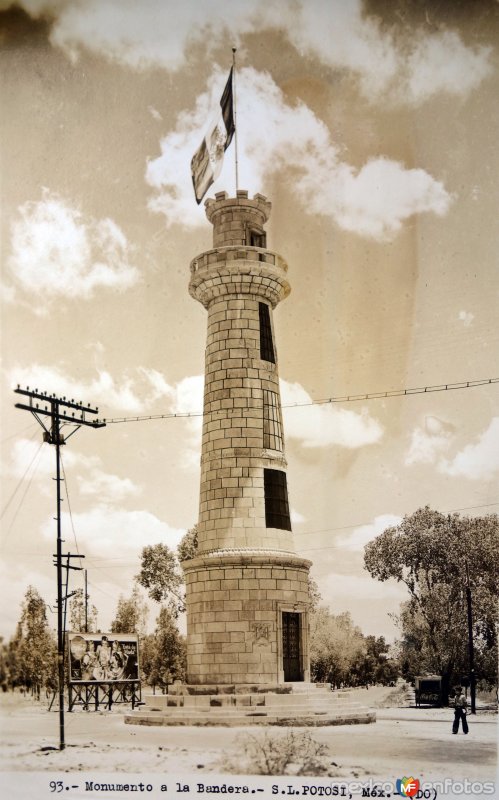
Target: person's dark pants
{"x":459,"y":714}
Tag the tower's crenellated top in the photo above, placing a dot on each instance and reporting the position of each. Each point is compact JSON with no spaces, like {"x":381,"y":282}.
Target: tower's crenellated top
{"x":238,"y":220}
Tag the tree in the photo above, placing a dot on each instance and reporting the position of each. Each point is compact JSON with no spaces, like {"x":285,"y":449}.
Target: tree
{"x":77,"y":614}
{"x":188,"y":544}
{"x":147,"y":656}
{"x":435,"y":555}
{"x":131,"y":614}
{"x":4,"y":666}
{"x":33,"y":649}
{"x":314,"y":594}
{"x":164,"y":655}
{"x":160,"y":573}
{"x":335,"y":645}
{"x":374,"y":665}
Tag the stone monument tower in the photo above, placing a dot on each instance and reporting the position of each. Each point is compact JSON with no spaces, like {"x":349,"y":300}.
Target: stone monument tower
{"x":246,"y":590}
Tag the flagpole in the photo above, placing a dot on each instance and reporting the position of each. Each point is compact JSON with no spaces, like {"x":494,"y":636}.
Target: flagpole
{"x":235,"y":113}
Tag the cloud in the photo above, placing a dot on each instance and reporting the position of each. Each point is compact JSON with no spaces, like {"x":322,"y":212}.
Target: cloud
{"x":410,"y":65}
{"x":29,"y":458}
{"x":441,"y":62}
{"x":160,"y":387}
{"x":359,"y":537}
{"x":33,"y":460}
{"x":296,"y":517}
{"x":466,"y":318}
{"x":108,"y":488}
{"x":111,"y":540}
{"x":56,"y":252}
{"x":189,"y":400}
{"x":15,"y":577}
{"x":430,"y":441}
{"x":477,"y":461}
{"x":133,"y":393}
{"x":376,"y":200}
{"x":339,"y":589}
{"x":369,"y":601}
{"x":155,"y":114}
{"x":274,"y":136}
{"x":108,"y":532}
{"x":326,"y":425}
{"x":189,"y":394}
{"x":7,"y":294}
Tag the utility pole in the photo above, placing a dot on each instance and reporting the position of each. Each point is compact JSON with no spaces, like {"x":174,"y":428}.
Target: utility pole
{"x":86,"y":603}
{"x":67,"y":566}
{"x":61,"y":412}
{"x":471,"y":652}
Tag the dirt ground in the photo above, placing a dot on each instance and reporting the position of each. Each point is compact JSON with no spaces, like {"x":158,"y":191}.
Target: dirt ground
{"x":403,"y":742}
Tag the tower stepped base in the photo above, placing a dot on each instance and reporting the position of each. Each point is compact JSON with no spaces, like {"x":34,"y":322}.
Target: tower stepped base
{"x":231,"y":706}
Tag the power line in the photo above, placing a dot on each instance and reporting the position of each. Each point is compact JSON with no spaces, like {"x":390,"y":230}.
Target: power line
{"x":20,"y":433}
{"x":362,"y":524}
{"x":97,"y":587}
{"x":9,"y":501}
{"x":69,"y":505}
{"x":22,"y":499}
{"x":354,"y":398}
{"x":468,"y":508}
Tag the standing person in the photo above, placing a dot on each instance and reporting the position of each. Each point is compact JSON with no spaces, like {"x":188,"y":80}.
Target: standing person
{"x":88,"y":662}
{"x":460,"y":711}
{"x":103,"y":654}
{"x":117,"y":660}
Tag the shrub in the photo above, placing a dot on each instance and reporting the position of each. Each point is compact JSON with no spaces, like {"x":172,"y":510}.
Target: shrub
{"x":295,"y":753}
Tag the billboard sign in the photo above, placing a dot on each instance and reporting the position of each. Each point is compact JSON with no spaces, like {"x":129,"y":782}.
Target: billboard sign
{"x":105,"y":658}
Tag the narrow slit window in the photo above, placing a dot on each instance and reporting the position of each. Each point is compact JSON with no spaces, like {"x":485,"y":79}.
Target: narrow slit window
{"x":266,"y":343}
{"x":272,"y":423}
{"x":276,"y":500}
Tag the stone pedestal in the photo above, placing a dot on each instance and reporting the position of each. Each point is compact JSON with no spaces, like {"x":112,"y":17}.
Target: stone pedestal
{"x":236,"y":603}
{"x":242,"y":704}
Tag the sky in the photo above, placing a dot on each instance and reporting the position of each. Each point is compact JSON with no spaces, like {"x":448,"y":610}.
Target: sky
{"x":372,"y":127}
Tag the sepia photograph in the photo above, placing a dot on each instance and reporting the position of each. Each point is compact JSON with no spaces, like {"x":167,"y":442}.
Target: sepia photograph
{"x":249,"y":303}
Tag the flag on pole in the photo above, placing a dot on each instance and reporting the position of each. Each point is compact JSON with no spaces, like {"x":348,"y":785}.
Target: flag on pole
{"x":207,"y":161}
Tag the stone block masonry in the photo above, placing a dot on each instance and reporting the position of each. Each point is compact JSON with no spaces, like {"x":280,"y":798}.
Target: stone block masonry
{"x":235,"y":608}
{"x":246,"y":591}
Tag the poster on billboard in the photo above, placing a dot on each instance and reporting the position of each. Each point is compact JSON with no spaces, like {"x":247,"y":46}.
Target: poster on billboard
{"x":105,"y":658}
